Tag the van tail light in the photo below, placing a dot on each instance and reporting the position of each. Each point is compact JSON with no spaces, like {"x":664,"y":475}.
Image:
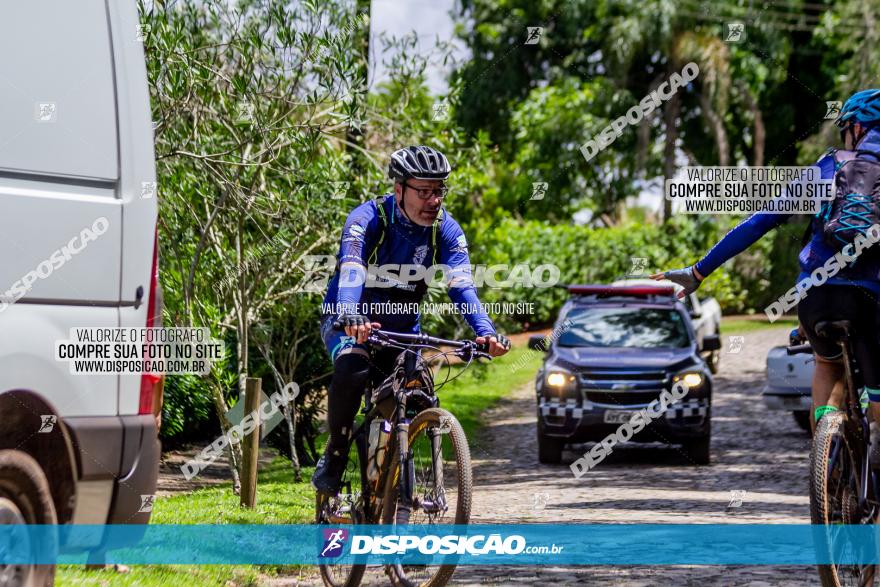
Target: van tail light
{"x":152,"y":384}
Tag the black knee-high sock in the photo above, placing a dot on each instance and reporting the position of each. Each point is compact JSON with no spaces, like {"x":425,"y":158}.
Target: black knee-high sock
{"x":350,"y":376}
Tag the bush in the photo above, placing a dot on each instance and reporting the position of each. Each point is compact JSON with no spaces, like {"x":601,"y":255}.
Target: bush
{"x":602,"y":255}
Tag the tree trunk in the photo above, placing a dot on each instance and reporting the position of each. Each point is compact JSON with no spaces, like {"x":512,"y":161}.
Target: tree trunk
{"x":718,"y":131}
{"x":643,"y":133}
{"x":220,"y":406}
{"x":670,"y":117}
{"x":354,"y":135}
{"x":759,"y":132}
{"x":290,"y":417}
{"x":288,"y":409}
{"x":241,"y":313}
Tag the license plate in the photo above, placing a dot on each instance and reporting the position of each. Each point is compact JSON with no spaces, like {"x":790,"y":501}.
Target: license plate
{"x":791,"y":402}
{"x":618,"y":416}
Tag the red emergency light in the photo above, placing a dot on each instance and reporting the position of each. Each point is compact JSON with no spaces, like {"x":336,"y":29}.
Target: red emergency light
{"x":622,"y":290}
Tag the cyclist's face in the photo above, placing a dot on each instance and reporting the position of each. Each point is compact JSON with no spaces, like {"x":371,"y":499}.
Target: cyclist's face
{"x":422,"y":212}
{"x":849,"y":134}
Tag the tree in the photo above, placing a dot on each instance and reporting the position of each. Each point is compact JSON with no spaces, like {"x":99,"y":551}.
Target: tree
{"x":249,"y":102}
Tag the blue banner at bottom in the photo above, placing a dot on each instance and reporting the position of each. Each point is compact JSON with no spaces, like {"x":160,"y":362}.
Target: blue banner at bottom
{"x":507,"y":544}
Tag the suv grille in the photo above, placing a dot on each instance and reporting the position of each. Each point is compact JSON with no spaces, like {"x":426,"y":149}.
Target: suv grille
{"x":622,"y":388}
{"x":627,"y":398}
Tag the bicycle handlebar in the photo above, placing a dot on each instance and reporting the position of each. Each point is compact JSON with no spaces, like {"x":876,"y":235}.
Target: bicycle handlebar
{"x":380,"y":337}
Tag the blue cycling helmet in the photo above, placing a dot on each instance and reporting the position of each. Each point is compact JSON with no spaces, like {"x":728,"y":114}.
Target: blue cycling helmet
{"x":862,"y":107}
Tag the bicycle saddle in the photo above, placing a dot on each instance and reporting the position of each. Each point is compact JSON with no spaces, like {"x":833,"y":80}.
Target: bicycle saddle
{"x":834,"y":329}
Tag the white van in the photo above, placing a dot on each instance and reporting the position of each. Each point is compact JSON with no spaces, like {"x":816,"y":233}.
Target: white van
{"x":78,"y":242}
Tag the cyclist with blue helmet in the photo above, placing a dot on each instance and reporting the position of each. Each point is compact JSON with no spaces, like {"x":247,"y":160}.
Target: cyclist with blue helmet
{"x":853,"y":293}
{"x":407,"y":228}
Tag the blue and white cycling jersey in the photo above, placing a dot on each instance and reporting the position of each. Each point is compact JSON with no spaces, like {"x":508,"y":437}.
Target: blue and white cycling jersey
{"x":814,"y":254}
{"x":404,"y":243}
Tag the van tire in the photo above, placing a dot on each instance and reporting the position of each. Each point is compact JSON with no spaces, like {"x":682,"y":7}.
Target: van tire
{"x":25,"y":497}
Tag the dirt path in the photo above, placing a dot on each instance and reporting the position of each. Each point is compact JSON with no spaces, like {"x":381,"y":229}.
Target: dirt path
{"x":762,"y":453}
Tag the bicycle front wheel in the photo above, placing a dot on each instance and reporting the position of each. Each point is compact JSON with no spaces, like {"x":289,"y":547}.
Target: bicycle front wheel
{"x":834,"y":501}
{"x":442,"y":490}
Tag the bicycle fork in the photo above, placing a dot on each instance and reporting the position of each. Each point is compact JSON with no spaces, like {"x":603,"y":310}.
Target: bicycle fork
{"x":406,"y":476}
{"x":438,"y":503}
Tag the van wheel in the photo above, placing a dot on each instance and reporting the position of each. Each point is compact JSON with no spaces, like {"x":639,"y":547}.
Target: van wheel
{"x":25,"y":498}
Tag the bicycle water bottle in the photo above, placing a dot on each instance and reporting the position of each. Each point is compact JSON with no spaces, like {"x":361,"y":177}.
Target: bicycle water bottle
{"x":377,"y":447}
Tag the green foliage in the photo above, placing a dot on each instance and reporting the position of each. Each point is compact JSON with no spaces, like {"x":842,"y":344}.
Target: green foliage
{"x":602,"y":255}
{"x":188,"y":412}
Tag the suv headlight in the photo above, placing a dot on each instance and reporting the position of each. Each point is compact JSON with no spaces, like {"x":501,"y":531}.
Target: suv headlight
{"x":560,"y":380}
{"x":690,"y":378}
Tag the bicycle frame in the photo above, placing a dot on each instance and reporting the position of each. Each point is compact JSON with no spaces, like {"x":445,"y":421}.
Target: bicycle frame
{"x":372,"y":498}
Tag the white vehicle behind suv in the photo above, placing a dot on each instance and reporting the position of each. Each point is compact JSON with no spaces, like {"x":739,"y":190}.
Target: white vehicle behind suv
{"x":78,"y":231}
{"x":705,"y":314}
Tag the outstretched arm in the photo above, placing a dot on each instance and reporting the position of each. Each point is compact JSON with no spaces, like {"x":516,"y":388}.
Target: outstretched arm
{"x":741,"y":237}
{"x":454,"y":254}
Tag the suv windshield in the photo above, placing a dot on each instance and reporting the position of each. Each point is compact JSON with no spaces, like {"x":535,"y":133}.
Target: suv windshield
{"x":625,"y":328}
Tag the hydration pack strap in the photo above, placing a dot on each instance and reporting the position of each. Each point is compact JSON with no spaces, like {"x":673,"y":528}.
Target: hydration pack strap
{"x":383,"y":217}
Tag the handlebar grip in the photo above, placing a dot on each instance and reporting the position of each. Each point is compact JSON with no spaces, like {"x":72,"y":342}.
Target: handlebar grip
{"x":337,"y":325}
{"x":482,"y":347}
{"x":799,"y":349}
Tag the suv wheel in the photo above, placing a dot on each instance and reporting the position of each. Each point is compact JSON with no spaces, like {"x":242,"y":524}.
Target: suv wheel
{"x":697,"y":450}
{"x":549,"y":448}
{"x":25,"y":498}
{"x":802,"y":417}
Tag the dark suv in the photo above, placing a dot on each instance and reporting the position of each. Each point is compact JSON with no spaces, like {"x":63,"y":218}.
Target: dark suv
{"x":612,"y":352}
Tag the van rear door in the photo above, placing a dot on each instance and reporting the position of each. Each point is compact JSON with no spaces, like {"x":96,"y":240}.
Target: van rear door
{"x":59,"y":179}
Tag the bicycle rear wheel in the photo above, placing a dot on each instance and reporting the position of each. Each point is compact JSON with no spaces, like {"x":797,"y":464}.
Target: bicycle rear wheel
{"x":442,"y":490}
{"x":833,"y":499}
{"x":340,"y":511}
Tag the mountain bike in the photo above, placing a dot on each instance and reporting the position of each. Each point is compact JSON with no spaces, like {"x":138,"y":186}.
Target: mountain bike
{"x":843,"y":487}
{"x":411,"y":463}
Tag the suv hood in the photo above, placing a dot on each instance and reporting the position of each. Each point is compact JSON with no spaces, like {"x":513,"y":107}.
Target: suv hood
{"x":626,"y":358}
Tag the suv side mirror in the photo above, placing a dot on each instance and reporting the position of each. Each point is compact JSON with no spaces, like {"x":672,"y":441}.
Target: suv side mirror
{"x":711,"y":342}
{"x":538,"y":342}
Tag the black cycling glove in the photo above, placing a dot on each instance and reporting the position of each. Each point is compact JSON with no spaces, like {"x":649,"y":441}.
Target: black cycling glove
{"x":685,"y":278}
{"x":503,"y":341}
{"x":350,"y":320}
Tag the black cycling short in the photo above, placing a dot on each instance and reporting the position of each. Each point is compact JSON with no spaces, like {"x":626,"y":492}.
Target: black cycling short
{"x":843,"y":302}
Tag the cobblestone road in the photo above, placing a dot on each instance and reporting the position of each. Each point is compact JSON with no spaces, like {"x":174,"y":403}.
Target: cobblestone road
{"x":762,"y":453}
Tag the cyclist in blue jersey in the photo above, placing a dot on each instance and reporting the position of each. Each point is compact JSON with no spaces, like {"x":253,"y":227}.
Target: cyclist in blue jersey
{"x":411,"y":230}
{"x":853,"y":293}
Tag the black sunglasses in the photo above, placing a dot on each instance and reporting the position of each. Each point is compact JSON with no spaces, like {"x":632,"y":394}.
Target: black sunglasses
{"x":425,"y":193}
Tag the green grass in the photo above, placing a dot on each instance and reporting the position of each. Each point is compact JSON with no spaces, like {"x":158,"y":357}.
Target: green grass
{"x":280,"y":500}
{"x":484,"y":384}
{"x":165,"y":576}
{"x":745,"y":325}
